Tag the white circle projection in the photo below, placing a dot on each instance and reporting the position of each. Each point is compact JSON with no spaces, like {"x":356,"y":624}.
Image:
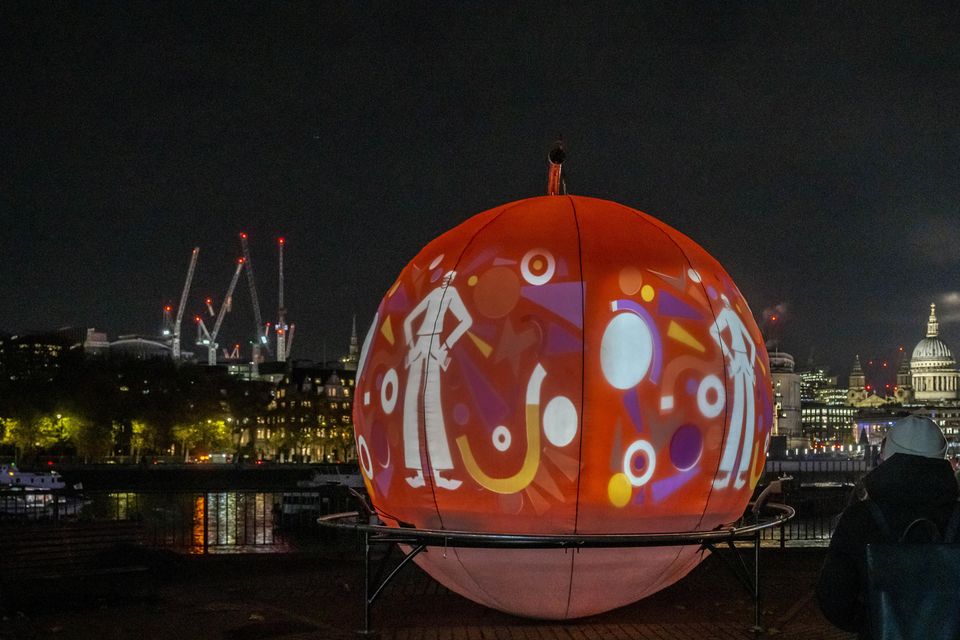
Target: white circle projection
{"x":366,"y":462}
{"x":538,"y":266}
{"x":710,"y":408}
{"x":644,"y":447}
{"x":501,"y":438}
{"x":389,"y":391}
{"x":626,"y":350}
{"x":560,"y":421}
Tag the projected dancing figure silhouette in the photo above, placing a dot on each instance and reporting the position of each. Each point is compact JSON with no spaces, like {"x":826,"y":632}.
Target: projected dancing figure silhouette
{"x":741,"y":353}
{"x":427,"y":357}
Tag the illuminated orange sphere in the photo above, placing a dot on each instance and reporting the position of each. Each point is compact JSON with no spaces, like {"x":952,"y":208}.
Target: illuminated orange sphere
{"x":562,"y":365}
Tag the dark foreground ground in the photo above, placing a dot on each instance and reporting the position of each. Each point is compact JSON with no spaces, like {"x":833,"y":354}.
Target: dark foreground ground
{"x":315,"y":595}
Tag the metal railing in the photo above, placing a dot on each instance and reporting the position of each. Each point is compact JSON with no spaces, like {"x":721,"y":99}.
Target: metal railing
{"x":281,"y":520}
{"x":413,"y":541}
{"x":819,"y":490}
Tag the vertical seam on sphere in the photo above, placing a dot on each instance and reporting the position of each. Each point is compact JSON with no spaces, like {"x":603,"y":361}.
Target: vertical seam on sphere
{"x":421,"y":401}
{"x":662,"y":227}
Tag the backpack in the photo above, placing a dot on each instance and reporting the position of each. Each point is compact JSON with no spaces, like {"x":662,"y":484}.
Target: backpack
{"x":913,"y":588}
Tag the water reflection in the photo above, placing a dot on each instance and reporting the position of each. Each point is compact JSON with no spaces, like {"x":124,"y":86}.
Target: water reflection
{"x":212,"y":522}
{"x":199,"y":524}
{"x":196,"y":521}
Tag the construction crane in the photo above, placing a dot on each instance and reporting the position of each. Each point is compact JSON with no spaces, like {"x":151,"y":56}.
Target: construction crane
{"x":209,"y":338}
{"x":167,"y":326}
{"x":283,"y":343}
{"x":260,"y":337}
{"x":291,"y":331}
{"x":183,"y":303}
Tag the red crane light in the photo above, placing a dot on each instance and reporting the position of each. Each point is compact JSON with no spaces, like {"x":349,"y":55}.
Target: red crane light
{"x":282,"y":241}
{"x":243,"y":235}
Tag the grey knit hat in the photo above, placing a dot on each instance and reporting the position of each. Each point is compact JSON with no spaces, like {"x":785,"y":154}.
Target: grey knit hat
{"x":916,"y":436}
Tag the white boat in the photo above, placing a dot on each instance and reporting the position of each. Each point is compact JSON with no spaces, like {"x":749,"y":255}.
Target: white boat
{"x":13,"y":478}
{"x":308,"y":503}
{"x":343,"y":475}
{"x":311,"y":502}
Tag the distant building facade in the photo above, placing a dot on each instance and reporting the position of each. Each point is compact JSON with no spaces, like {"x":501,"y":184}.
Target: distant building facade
{"x":824,"y":424}
{"x":857,"y":387}
{"x":903,"y":390}
{"x":310,"y":418}
{"x":38,"y":356}
{"x":786,"y":398}
{"x":815,"y":382}
{"x":933,"y":370}
{"x":350,"y":361}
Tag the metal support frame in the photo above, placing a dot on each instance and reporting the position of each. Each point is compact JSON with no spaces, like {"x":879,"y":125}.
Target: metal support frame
{"x":419,"y":539}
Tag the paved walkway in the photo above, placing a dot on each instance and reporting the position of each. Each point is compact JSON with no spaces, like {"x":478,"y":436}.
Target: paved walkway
{"x":315,"y":596}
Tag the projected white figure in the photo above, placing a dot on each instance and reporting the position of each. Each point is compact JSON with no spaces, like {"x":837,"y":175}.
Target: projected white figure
{"x":427,"y":357}
{"x":741,"y":353}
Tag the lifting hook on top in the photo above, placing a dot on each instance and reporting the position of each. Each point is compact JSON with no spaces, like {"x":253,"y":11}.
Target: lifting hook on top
{"x":555,"y":183}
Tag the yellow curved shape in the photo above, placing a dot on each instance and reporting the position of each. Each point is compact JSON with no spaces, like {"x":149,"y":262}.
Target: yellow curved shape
{"x":531,"y":460}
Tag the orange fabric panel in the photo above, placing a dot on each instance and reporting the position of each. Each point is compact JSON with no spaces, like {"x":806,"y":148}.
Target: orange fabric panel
{"x":554,"y":365}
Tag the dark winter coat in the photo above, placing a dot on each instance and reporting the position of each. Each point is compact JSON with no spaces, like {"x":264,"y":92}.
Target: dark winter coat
{"x":906,"y":488}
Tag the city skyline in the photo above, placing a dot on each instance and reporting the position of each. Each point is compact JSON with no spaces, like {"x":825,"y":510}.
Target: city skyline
{"x":811,"y":149}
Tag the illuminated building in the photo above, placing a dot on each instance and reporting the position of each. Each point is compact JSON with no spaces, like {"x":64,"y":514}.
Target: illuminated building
{"x":827,"y":424}
{"x":310,"y":417}
{"x":857,"y":389}
{"x":814,"y":381}
{"x":933,"y":370}
{"x":876,"y":421}
{"x":831,"y":395}
{"x":96,"y":344}
{"x":349,"y":361}
{"x":139,"y":348}
{"x":786,"y":399}
{"x":859,"y":393}
{"x":903,"y":392}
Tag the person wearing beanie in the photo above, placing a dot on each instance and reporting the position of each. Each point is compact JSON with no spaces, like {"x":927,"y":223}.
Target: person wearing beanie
{"x":913,"y":480}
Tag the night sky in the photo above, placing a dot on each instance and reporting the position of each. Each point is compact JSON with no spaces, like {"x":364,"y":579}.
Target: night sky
{"x":813,"y":148}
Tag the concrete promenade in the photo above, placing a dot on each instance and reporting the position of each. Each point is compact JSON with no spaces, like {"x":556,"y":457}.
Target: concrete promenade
{"x":315,"y":595}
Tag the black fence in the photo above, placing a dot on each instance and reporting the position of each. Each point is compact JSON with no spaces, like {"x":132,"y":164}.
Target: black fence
{"x":818,"y":490}
{"x":281,"y":520}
